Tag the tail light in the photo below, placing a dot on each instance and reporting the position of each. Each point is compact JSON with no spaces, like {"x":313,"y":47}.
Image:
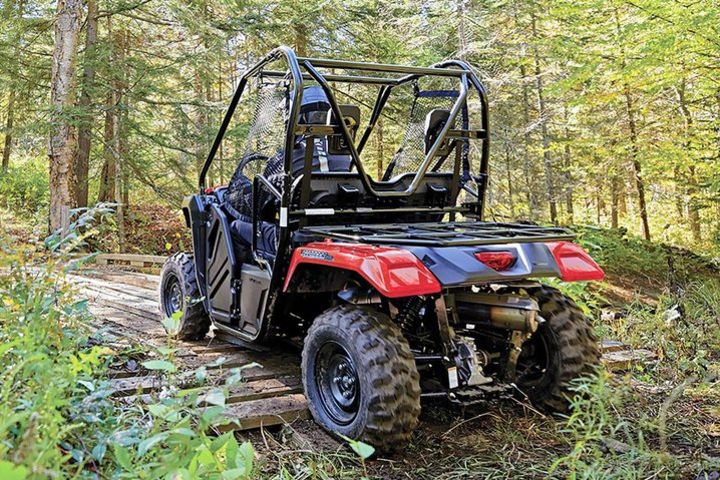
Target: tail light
{"x":574,"y":263}
{"x":498,"y":261}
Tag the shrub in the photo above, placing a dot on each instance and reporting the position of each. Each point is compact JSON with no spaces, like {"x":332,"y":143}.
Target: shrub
{"x":24,"y":187}
{"x":56,"y":416}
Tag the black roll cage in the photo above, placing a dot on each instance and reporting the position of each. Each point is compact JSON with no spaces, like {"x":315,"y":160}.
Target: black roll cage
{"x":448,"y":68}
{"x":451,"y":68}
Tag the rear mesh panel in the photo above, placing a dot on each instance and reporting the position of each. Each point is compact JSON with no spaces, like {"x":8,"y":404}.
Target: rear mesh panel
{"x":411,"y":152}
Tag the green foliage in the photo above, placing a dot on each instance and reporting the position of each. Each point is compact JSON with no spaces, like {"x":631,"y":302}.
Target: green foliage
{"x":623,"y":254}
{"x":681,"y":329}
{"x":651,"y":104}
{"x":54,"y":408}
{"x":24,"y":187}
{"x":607,"y":444}
{"x":82,"y":226}
{"x":362,"y":449}
{"x":57,"y":419}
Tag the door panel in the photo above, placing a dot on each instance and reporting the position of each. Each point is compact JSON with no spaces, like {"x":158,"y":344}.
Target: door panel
{"x":221,"y":269}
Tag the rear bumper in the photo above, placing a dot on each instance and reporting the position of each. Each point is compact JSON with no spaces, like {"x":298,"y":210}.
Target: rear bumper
{"x":457,"y":266}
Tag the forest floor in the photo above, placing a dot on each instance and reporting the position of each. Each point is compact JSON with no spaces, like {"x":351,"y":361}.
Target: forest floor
{"x":657,"y":420}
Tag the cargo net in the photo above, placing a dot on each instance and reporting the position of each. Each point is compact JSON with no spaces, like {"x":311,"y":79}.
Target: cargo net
{"x":266,"y":135}
{"x":265,"y":139}
{"x":411,"y":153}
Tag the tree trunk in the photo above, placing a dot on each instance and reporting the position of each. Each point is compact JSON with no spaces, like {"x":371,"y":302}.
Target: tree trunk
{"x":7,"y":148}
{"x":633,"y":133}
{"x":201,"y":124}
{"x":543,"y":114}
{"x":301,"y":40}
{"x":614,"y":201}
{"x":527,"y":166}
{"x":691,"y":180}
{"x":119,"y":186}
{"x":117,"y":138}
{"x":85,"y":132}
{"x":380,"y":141}
{"x":220,"y":153}
{"x":11,"y":10}
{"x":106,"y":192}
{"x":508,"y":178}
{"x":637,"y":168}
{"x":63,"y":141}
{"x":462,"y":36}
{"x":567,"y":176}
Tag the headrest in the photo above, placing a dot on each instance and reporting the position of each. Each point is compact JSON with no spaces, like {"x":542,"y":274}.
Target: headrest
{"x":314,"y":99}
{"x":434,"y":123}
{"x":350,"y":115}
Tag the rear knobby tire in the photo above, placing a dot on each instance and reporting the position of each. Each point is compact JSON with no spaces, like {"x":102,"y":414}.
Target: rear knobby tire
{"x":179,"y":292}
{"x":384,"y":408}
{"x":570,"y":351}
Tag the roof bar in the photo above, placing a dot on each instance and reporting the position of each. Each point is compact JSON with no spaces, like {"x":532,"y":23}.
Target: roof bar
{"x":381,"y":67}
{"x":337,"y":78}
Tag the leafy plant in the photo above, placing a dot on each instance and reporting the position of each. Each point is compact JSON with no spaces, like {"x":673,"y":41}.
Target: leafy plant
{"x":81,"y":228}
{"x":604,"y":443}
{"x":24,"y":187}
{"x":362,"y":449}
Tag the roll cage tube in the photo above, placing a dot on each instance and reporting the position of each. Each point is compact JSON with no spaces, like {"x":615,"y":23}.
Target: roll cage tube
{"x":274,"y":55}
{"x":422,"y":170}
{"x":485,"y":125}
{"x":463,"y":71}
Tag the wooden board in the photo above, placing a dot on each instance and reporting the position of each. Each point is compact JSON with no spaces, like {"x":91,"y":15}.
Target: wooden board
{"x":125,"y":306}
{"x":627,"y":359}
{"x":618,"y":356}
{"x":130,"y":259}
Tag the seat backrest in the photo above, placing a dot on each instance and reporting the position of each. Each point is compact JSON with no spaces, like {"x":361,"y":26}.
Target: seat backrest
{"x":329,"y":155}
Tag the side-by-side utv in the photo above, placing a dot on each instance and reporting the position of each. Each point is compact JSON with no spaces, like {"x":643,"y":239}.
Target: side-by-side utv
{"x":384,"y":271}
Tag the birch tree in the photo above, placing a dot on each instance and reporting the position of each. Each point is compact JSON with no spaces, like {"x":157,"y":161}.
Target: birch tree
{"x":62,"y":149}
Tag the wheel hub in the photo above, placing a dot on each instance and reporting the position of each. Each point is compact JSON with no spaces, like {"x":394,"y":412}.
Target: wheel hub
{"x":344,"y":381}
{"x":173,"y":296}
{"x":337,"y":382}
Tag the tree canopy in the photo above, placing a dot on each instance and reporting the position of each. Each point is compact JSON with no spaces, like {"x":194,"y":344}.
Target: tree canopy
{"x":603,"y":112}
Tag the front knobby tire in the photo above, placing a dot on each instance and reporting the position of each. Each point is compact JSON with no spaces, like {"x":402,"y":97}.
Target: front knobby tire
{"x":563,"y":349}
{"x":179,"y":292}
{"x":360,"y":377}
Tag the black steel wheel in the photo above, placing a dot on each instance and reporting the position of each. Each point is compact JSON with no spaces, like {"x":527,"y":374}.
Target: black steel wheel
{"x":337,"y":382}
{"x":563,"y":349}
{"x":360,"y":377}
{"x":179,"y":293}
{"x":173,"y":298}
{"x":534,"y":361}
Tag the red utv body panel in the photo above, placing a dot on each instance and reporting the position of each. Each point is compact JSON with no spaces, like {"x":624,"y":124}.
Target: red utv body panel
{"x":393,"y":272}
{"x":574,"y":263}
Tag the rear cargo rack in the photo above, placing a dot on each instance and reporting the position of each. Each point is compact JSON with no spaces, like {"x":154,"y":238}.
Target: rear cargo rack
{"x":443,"y":234}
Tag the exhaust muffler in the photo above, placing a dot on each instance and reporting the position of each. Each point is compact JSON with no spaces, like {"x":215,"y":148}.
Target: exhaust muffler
{"x":510,"y":312}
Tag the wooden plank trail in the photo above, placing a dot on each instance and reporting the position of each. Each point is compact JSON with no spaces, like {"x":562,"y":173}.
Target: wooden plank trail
{"x":125,"y":306}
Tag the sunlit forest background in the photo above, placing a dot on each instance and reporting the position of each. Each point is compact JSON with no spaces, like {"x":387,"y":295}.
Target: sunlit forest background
{"x":603,"y":112}
{"x":604,"y":116}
